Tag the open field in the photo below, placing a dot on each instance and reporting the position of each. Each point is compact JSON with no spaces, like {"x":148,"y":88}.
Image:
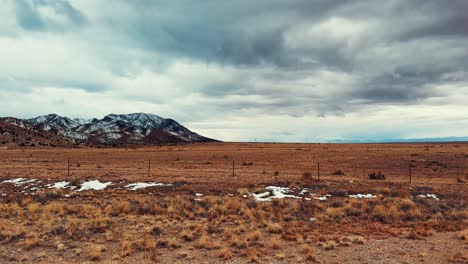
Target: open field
{"x":271,"y":208}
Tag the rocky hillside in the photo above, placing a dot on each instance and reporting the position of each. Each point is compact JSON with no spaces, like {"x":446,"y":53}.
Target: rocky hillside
{"x":112,"y":130}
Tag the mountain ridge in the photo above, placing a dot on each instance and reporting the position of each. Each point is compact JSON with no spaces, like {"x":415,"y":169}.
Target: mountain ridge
{"x":112,"y":129}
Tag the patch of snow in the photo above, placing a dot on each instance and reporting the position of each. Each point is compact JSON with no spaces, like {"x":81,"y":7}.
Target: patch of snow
{"x":140,"y":185}
{"x":304,"y":191}
{"x":19,"y":181}
{"x":59,"y":185}
{"x":198,"y":194}
{"x":94,"y":185}
{"x":429,"y":195}
{"x":274,"y":193}
{"x":362,"y":196}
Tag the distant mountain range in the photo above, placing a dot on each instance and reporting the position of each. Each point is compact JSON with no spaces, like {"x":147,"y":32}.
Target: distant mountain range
{"x":402,"y":140}
{"x":112,"y":130}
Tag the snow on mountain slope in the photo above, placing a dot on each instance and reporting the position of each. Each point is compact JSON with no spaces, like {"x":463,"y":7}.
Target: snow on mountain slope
{"x":113,"y":129}
{"x":53,"y":121}
{"x":18,"y":132}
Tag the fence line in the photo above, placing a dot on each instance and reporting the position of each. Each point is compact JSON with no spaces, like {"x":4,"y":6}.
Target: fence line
{"x":69,"y":167}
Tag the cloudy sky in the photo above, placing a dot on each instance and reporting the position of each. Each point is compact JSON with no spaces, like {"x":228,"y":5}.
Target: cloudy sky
{"x":271,"y":70}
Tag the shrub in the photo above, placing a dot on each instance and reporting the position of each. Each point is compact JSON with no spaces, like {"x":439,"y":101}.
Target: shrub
{"x":224,"y":253}
{"x":376,"y":176}
{"x":338,"y":172}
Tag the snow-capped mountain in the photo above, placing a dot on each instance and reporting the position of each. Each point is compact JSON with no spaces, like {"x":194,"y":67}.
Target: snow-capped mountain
{"x":19,"y":132}
{"x":128,"y":129}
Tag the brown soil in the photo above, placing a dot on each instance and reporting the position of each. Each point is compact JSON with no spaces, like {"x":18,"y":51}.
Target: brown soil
{"x":397,"y":226}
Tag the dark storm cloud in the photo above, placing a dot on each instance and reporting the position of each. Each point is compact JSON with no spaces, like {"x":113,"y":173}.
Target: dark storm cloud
{"x":234,"y":32}
{"x":29,"y":17}
{"x":273,"y":57}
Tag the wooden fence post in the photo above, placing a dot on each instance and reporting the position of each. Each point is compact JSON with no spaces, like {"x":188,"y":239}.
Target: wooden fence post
{"x":410,"y":172}
{"x":68,"y":167}
{"x":318,"y":170}
{"x":149,"y":168}
{"x":233,"y":169}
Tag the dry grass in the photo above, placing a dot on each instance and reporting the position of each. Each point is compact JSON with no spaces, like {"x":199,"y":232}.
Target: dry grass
{"x":224,"y":253}
{"x":274,"y":228}
{"x":95,"y":252}
{"x":309,"y":252}
{"x":329,"y":245}
{"x":230,"y":226}
{"x":32,"y":240}
{"x":464,"y":235}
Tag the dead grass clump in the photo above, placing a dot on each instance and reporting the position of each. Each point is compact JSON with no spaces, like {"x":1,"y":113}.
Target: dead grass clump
{"x":188,"y":235}
{"x":99,"y":224}
{"x":95,"y":252}
{"x":385,"y":191}
{"x":118,"y":208}
{"x":252,"y":255}
{"x":309,"y":252}
{"x":126,"y":248}
{"x":145,"y":243}
{"x":414,"y":235}
{"x":34,"y":209}
{"x":274,"y":228}
{"x":235,"y":242}
{"x":385,"y":214}
{"x":55,"y":208}
{"x":357,"y":240}
{"x":254,"y":236}
{"x":333,"y":214}
{"x":464,"y":235}
{"x":224,"y":253}
{"x":329,"y":245}
{"x":275,"y":243}
{"x":32,"y":240}
{"x":204,"y":242}
{"x":11,"y":232}
{"x":174,"y":244}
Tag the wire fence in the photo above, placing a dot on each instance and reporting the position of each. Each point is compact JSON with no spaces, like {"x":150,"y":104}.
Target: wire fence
{"x":232,"y":170}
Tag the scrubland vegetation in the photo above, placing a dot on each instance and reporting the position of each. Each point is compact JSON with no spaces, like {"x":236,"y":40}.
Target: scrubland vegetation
{"x":224,"y":227}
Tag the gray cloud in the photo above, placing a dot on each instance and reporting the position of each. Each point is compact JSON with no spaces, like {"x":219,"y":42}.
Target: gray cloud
{"x":30,"y":18}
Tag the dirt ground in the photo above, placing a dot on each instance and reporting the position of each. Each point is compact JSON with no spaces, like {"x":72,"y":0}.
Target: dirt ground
{"x":254,"y":163}
{"x":209,"y":211}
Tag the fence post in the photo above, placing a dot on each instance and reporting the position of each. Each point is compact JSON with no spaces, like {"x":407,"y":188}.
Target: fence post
{"x":68,"y":167}
{"x":149,"y":168}
{"x":233,"y":169}
{"x":318,"y":170}
{"x":410,"y":172}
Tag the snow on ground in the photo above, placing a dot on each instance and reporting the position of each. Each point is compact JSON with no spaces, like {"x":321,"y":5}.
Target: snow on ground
{"x":59,"y":185}
{"x":429,"y":195}
{"x":94,"y":185}
{"x":140,"y":185}
{"x":19,"y":181}
{"x":362,"y":196}
{"x":322,"y":197}
{"x":274,"y":192}
{"x":198,"y":194}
